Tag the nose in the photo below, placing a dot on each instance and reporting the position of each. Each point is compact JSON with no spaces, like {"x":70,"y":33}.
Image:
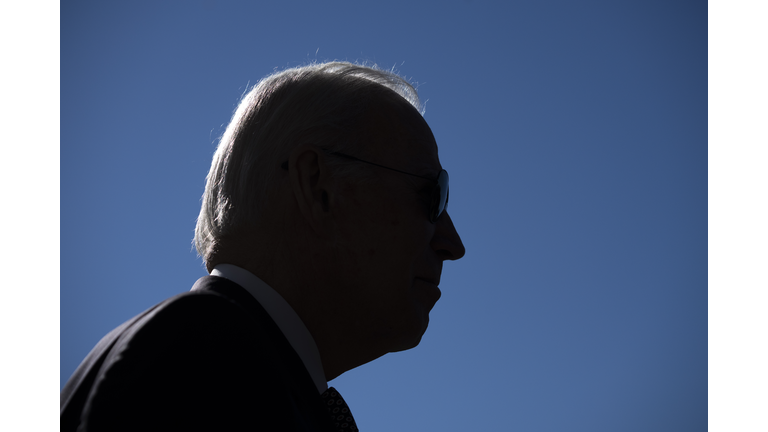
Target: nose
{"x":446,"y":241}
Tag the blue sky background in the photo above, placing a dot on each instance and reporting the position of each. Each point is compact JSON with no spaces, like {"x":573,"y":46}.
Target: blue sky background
{"x":575,"y":134}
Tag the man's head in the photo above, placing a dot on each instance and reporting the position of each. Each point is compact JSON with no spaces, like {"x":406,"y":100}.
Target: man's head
{"x":322,"y":186}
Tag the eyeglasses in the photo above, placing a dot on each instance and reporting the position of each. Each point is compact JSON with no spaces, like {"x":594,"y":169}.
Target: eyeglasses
{"x":438,"y":201}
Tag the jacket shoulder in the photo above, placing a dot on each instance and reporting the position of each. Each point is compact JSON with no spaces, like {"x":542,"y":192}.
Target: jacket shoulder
{"x":198,"y":361}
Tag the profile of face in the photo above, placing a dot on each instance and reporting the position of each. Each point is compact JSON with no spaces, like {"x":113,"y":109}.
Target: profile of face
{"x":390,"y":252}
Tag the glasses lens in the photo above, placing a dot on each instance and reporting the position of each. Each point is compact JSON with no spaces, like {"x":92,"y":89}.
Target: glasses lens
{"x":440,"y":197}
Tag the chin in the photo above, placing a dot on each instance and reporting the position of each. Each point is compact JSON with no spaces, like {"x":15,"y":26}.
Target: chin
{"x":407,"y":346}
{"x":414,"y":338}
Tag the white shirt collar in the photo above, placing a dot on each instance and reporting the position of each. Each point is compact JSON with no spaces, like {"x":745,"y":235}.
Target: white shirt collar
{"x":283,"y":315}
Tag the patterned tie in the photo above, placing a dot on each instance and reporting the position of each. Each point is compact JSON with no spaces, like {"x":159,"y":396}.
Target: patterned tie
{"x":339,"y":411}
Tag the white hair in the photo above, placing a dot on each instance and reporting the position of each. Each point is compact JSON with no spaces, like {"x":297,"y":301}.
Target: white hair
{"x":322,"y":104}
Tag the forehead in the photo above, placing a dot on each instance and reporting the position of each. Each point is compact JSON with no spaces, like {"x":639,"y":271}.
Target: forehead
{"x":399,"y":135}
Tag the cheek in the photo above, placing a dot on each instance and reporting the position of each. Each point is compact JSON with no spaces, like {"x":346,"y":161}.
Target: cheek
{"x":384,"y":236}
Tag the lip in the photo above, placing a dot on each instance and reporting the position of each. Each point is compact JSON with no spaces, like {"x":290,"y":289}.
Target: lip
{"x":430,"y":279}
{"x":432,"y":292}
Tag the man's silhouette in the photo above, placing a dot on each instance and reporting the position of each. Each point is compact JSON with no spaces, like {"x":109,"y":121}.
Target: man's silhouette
{"x":324,"y":229}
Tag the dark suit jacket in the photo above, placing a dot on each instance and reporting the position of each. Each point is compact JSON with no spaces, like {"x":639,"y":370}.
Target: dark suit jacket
{"x":211,"y":359}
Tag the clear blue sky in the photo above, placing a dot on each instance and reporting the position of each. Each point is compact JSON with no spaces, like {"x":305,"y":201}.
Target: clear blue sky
{"x":575,"y":134}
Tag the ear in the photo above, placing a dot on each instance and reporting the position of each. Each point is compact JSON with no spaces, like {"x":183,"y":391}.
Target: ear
{"x":312,"y":186}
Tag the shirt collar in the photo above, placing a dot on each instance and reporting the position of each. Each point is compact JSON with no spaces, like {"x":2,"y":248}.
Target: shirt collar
{"x":283,"y":315}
